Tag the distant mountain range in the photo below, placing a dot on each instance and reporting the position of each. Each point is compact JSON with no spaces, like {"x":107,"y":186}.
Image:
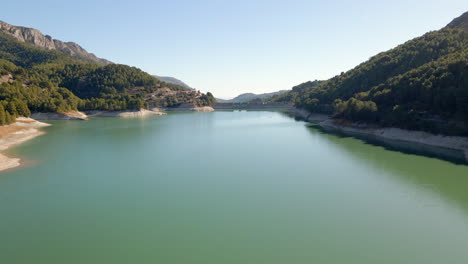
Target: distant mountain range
{"x":173,"y":81}
{"x":245,"y":97}
{"x":36,"y":38}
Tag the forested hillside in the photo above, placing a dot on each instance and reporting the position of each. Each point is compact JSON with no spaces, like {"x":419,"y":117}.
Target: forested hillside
{"x":35,"y":79}
{"x":421,"y":84}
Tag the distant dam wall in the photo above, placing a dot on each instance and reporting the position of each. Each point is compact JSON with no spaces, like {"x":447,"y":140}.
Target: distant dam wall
{"x":252,"y":106}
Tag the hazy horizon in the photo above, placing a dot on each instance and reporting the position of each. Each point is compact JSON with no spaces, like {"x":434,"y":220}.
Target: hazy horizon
{"x":233,"y":48}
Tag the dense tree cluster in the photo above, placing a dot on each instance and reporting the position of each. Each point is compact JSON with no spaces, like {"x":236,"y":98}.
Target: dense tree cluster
{"x":192,"y":97}
{"x":37,"y":99}
{"x":9,"y":110}
{"x":207,"y":99}
{"x":88,"y":81}
{"x":421,"y":84}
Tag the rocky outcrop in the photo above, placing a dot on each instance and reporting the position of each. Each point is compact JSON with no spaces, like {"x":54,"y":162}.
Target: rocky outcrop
{"x":72,"y":115}
{"x":190,"y":108}
{"x":35,"y":37}
{"x":204,"y":109}
{"x":6,"y":78}
{"x":460,"y":22}
{"x":126,"y":114}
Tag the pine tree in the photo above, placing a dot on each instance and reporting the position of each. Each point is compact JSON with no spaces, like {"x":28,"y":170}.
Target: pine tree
{"x":2,"y":115}
{"x":22,"y":109}
{"x":9,"y":118}
{"x":11,"y":107}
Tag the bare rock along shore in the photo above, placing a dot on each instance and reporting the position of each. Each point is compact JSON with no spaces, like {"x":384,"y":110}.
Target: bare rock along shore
{"x":190,"y":108}
{"x":24,"y":129}
{"x":203,"y":109}
{"x":452,"y":147}
{"x":72,"y":115}
{"x":127,"y":114}
{"x":28,"y":128}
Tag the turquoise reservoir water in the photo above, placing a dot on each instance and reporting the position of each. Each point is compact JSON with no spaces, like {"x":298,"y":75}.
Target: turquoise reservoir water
{"x":226,"y":187}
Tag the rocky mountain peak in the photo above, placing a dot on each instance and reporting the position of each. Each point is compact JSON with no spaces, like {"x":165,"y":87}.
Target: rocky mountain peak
{"x":35,"y":37}
{"x":460,"y":22}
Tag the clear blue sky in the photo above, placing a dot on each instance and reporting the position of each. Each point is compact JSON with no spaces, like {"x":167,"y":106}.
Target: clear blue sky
{"x":231,"y":47}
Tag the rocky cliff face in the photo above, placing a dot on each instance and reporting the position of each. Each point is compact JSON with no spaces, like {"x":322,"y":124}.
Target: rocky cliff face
{"x":35,"y":37}
{"x":460,"y":22}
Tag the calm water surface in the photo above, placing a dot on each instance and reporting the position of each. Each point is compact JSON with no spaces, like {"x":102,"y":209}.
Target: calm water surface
{"x":226,"y":187}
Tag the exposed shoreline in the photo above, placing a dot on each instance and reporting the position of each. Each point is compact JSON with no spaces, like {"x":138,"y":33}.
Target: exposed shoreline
{"x":23,"y":130}
{"x":76,"y":115}
{"x":190,"y":108}
{"x":72,"y":115}
{"x":126,"y":114}
{"x":448,"y":147}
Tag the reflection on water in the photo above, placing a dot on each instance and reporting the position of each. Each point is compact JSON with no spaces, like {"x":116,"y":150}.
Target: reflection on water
{"x":432,"y":174}
{"x":227,"y":187}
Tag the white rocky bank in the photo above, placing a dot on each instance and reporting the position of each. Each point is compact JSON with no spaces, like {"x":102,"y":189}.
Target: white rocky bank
{"x":451,"y":143}
{"x":23,"y":130}
{"x":72,"y":115}
{"x":127,"y":114}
